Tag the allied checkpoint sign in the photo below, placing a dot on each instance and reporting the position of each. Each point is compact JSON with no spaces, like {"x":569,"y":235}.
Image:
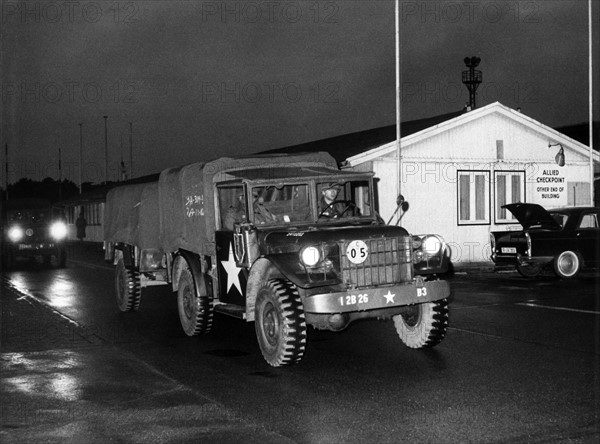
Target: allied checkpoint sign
{"x":550,"y":188}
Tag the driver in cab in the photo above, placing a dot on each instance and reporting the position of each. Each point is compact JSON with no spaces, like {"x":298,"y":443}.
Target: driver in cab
{"x":330,"y":207}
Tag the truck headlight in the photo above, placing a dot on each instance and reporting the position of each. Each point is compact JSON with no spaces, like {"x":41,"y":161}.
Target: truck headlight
{"x":58,"y":230}
{"x":431,"y":245}
{"x":430,"y":254}
{"x":15,"y":234}
{"x":310,"y":256}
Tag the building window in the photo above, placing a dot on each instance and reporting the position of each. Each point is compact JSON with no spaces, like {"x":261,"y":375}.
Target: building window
{"x":71,"y":215}
{"x":578,"y":193}
{"x":500,"y":149}
{"x":473,"y":197}
{"x":91,"y":212}
{"x":509,"y":188}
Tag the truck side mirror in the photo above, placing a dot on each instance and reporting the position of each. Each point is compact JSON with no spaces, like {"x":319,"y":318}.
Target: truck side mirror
{"x":401,"y":204}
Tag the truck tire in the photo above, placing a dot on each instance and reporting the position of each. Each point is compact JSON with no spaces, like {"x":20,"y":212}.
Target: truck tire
{"x":127,"y":283}
{"x":280,"y":323}
{"x":529,"y":271}
{"x":423,"y":325}
{"x":195,"y":310}
{"x":567,"y":264}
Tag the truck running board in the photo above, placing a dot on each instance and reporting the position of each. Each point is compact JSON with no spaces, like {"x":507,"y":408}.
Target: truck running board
{"x":237,"y":311}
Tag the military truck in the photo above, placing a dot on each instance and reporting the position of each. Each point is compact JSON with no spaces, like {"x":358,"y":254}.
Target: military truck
{"x":32,"y":230}
{"x":251,"y":237}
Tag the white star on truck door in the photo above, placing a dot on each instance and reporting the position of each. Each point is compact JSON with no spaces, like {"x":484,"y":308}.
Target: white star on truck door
{"x":233,"y":272}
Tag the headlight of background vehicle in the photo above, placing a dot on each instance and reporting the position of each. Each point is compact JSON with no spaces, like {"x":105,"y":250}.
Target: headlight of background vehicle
{"x":58,"y":230}
{"x":15,"y":234}
{"x":310,"y":256}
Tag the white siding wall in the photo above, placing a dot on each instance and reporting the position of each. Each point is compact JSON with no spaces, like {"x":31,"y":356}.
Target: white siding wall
{"x":429,"y":182}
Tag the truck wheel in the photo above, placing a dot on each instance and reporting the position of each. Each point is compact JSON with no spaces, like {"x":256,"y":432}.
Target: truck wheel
{"x":567,"y":264}
{"x":529,"y":271}
{"x":423,"y":325}
{"x":127,"y":283}
{"x":280,"y":323}
{"x":195,"y":310}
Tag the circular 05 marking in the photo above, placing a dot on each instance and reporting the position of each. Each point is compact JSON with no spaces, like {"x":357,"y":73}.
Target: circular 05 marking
{"x":357,"y":252}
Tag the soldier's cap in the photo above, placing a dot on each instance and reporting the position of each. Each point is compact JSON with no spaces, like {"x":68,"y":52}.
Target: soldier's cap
{"x":332,"y":185}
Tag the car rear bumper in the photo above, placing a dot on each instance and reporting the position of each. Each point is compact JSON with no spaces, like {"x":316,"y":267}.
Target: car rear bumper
{"x":505,"y":259}
{"x":534,"y":260}
{"x":520,"y":259}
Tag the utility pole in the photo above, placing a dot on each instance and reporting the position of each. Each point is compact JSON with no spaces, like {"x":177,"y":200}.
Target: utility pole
{"x":59,"y":174}
{"x":80,"y":158}
{"x":105,"y":149}
{"x":590,"y":104}
{"x":131,"y":150}
{"x":6,"y":167}
{"x":398,"y":101}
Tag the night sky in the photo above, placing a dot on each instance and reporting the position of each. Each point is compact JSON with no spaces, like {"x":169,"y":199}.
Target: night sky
{"x":201,"y":79}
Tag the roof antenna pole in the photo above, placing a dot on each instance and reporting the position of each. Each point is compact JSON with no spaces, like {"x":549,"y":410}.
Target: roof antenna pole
{"x":471,"y":79}
{"x":591,"y":107}
{"x":398,"y":102}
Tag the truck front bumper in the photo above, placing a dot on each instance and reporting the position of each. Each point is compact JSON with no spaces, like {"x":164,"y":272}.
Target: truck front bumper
{"x":35,"y":248}
{"x":377,"y":298}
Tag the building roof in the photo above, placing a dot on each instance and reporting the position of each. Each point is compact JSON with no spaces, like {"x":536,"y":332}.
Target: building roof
{"x":97,"y":193}
{"x":464,"y":118}
{"x":348,"y":145}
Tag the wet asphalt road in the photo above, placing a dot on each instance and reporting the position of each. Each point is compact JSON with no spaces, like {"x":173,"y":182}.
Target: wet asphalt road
{"x":520,"y":363}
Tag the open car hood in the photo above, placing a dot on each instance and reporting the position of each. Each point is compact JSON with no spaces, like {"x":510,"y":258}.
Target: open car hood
{"x":529,"y":215}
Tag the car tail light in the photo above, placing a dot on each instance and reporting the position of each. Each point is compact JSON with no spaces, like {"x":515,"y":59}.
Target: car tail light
{"x":528,"y":239}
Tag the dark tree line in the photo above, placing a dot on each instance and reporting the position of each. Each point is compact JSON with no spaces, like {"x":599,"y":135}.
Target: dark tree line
{"x":48,"y":188}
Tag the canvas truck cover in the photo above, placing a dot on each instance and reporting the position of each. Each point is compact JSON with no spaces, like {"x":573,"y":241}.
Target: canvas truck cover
{"x":187,"y":195}
{"x":131,"y":215}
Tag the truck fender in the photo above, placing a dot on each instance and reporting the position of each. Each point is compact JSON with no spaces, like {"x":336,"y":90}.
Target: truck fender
{"x":192,"y":261}
{"x":262,"y":270}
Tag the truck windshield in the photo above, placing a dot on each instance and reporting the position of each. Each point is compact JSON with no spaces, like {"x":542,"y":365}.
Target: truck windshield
{"x":291,"y":203}
{"x":281,"y":204}
{"x":340,"y":200}
{"x":30,"y":216}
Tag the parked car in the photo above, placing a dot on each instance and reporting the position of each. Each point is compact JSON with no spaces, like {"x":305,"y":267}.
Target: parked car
{"x":565,"y":239}
{"x":32,"y":230}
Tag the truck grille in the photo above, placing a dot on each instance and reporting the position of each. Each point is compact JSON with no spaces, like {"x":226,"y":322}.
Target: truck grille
{"x":389,"y":261}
